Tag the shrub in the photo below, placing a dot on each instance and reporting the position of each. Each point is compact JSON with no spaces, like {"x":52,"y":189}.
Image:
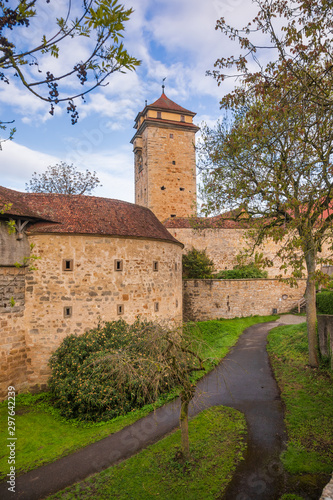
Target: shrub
{"x":242,"y":272}
{"x":109,"y":371}
{"x":197,"y":265}
{"x":324,"y":302}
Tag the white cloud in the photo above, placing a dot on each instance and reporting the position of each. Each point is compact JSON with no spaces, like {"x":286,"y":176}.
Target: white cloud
{"x":175,"y":39}
{"x":115,"y":171}
{"x":18,"y":163}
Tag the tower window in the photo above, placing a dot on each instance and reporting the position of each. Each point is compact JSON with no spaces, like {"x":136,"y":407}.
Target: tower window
{"x":68,"y":311}
{"x":182,"y":118}
{"x":172,"y":215}
{"x":171,"y":136}
{"x":120,"y":309}
{"x":159,"y":114}
{"x":67,"y":265}
{"x":155,"y":265}
{"x":181,"y":189}
{"x":163,"y":188}
{"x":173,"y":162}
{"x":118,"y":265}
{"x":156,"y":306}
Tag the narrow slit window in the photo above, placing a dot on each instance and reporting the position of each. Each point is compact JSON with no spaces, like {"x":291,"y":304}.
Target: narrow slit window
{"x":67,"y":265}
{"x":120,"y":309}
{"x":118,"y":265}
{"x":173,"y":162}
{"x":155,"y":265}
{"x":68,"y":311}
{"x":156,"y":306}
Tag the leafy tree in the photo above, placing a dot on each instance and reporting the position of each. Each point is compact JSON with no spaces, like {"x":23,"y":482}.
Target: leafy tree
{"x":102,"y":21}
{"x":241,"y":272}
{"x":114,"y":369}
{"x":299,"y":34}
{"x":63,"y":179}
{"x":274,"y":159}
{"x":197,"y":265}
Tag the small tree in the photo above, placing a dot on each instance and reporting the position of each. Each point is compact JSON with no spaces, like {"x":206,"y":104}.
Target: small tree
{"x":63,"y":179}
{"x":197,"y":265}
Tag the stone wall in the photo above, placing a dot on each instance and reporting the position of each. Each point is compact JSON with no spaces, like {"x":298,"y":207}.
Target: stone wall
{"x":13,"y":353}
{"x":223,"y":245}
{"x":12,"y":290}
{"x":211,"y":299}
{"x":325,"y":335}
{"x":12,"y":249}
{"x":62,"y":301}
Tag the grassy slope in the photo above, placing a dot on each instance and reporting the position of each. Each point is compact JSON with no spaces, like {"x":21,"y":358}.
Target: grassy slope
{"x":308,"y":398}
{"x":43,"y":436}
{"x":217,"y":444}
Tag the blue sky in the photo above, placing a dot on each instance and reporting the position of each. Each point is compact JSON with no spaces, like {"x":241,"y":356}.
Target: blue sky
{"x":175,"y":39}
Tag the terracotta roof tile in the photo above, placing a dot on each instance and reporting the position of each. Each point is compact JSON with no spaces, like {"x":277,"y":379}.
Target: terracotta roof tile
{"x":59,"y":213}
{"x":164,"y":102}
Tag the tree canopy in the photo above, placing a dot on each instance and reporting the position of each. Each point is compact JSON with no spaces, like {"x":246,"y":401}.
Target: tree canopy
{"x":197,"y":265}
{"x":63,"y":179}
{"x":32,"y":61}
{"x":274,"y":157}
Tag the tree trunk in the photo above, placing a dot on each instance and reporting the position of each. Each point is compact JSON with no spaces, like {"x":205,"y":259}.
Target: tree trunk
{"x":184,"y":428}
{"x":311,"y":312}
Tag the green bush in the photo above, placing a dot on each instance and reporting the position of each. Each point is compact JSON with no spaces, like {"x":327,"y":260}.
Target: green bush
{"x":242,"y":272}
{"x":93,"y":377}
{"x":197,"y":265}
{"x":325,"y":302}
{"x":109,"y":371}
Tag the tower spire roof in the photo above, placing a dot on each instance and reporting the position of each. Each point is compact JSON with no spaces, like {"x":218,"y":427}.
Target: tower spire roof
{"x":164,"y":102}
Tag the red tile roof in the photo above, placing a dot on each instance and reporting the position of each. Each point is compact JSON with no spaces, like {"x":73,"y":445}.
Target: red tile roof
{"x":59,"y":213}
{"x":164,"y":102}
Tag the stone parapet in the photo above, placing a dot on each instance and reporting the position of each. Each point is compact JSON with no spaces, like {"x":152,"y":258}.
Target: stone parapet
{"x":212,"y":299}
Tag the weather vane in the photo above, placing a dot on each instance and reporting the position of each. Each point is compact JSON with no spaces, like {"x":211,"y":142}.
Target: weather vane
{"x":163,"y":86}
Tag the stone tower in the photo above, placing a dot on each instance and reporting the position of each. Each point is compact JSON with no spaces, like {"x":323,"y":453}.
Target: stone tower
{"x":165,"y":166}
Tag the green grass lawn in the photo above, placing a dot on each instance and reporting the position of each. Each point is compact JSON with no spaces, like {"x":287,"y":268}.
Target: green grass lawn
{"x":308,"y":398}
{"x":217,"y":445}
{"x":43,"y":436}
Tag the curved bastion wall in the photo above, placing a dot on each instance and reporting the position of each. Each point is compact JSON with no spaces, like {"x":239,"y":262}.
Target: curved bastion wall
{"x":79,"y":281}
